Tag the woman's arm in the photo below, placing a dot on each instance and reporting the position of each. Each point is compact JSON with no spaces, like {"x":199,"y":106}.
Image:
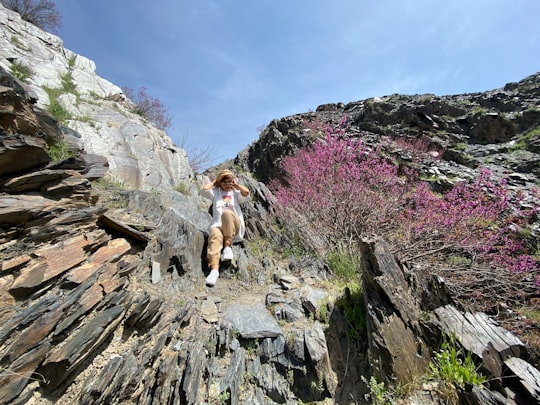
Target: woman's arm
{"x":208,"y":186}
{"x":243,"y":189}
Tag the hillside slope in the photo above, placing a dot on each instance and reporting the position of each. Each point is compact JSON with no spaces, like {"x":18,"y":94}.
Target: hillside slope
{"x":102,"y":264}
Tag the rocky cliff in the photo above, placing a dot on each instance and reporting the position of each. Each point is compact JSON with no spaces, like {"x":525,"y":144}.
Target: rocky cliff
{"x":96,"y":116}
{"x":102,"y":262}
{"x":498,"y":129}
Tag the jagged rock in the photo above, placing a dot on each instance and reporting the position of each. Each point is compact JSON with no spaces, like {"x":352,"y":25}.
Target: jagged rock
{"x":114,"y":249}
{"x":96,"y":166}
{"x":209,"y":311}
{"x":180,"y":246}
{"x":527,"y":378}
{"x":288,"y":282}
{"x":19,"y":153}
{"x":456,"y":124}
{"x":317,"y":348}
{"x":250,"y":321}
{"x":64,"y":360}
{"x":396,"y":348}
{"x":394,"y":314}
{"x":48,"y":181}
{"x":119,"y":226}
{"x":312,"y":299}
{"x":16,"y":113}
{"x":482,"y":336}
{"x":502,"y":353}
{"x":24,"y":366}
{"x":51,"y":261}
{"x":287,"y":309}
{"x":491,"y":128}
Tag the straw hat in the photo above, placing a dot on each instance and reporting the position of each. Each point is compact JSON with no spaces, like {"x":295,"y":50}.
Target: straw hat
{"x":222,"y":175}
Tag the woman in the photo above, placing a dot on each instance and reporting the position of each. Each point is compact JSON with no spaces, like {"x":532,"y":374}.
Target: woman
{"x":227,"y":220}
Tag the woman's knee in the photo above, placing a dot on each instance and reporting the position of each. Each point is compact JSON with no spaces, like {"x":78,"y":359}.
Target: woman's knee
{"x":227,"y":216}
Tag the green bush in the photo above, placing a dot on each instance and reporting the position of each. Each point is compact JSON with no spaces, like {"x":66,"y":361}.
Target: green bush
{"x":58,"y":112}
{"x":55,"y":108}
{"x":343,"y":265}
{"x":353,"y":307}
{"x":182,"y":188}
{"x":454,"y":368}
{"x":21,"y":71}
{"x":524,"y":140}
{"x":378,"y":395}
{"x":59,"y":151}
{"x":67,"y":84}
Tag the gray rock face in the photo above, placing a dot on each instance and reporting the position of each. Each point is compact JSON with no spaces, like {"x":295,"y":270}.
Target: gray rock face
{"x":251,"y":322}
{"x":139,"y":155}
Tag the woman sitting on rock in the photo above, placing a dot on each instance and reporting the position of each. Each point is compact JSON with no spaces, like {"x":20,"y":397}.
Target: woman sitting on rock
{"x":227,"y":220}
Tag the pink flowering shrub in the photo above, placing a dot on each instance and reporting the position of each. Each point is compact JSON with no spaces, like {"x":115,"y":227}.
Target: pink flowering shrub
{"x":149,"y":107}
{"x":347,"y":191}
{"x":420,"y":145}
{"x":479,"y":218}
{"x":340,"y":186}
{"x":315,"y":125}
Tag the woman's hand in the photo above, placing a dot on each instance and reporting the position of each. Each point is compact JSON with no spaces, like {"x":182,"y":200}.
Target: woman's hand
{"x":243,"y":189}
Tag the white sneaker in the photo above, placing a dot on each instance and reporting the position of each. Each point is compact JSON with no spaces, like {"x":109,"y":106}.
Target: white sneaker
{"x":212,"y":278}
{"x":227,"y":253}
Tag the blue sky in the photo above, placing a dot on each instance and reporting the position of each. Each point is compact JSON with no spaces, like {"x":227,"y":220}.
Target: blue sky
{"x":226,"y":68}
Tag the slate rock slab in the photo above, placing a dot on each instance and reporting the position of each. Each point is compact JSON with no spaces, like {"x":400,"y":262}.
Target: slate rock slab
{"x":251,"y":321}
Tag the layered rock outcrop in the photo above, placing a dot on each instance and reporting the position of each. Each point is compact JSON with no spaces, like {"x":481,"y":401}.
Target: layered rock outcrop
{"x":97,"y":117}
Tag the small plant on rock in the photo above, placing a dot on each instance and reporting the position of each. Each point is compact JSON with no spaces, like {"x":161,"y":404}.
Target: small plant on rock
{"x":15,"y":41}
{"x":352,"y":304}
{"x":67,"y":83}
{"x":378,"y":395}
{"x":60,"y":151}
{"x":41,"y":13}
{"x":55,"y":107}
{"x":454,"y":369}
{"x":149,"y":107}
{"x":21,"y":71}
{"x":182,"y":188}
{"x":343,"y":264}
